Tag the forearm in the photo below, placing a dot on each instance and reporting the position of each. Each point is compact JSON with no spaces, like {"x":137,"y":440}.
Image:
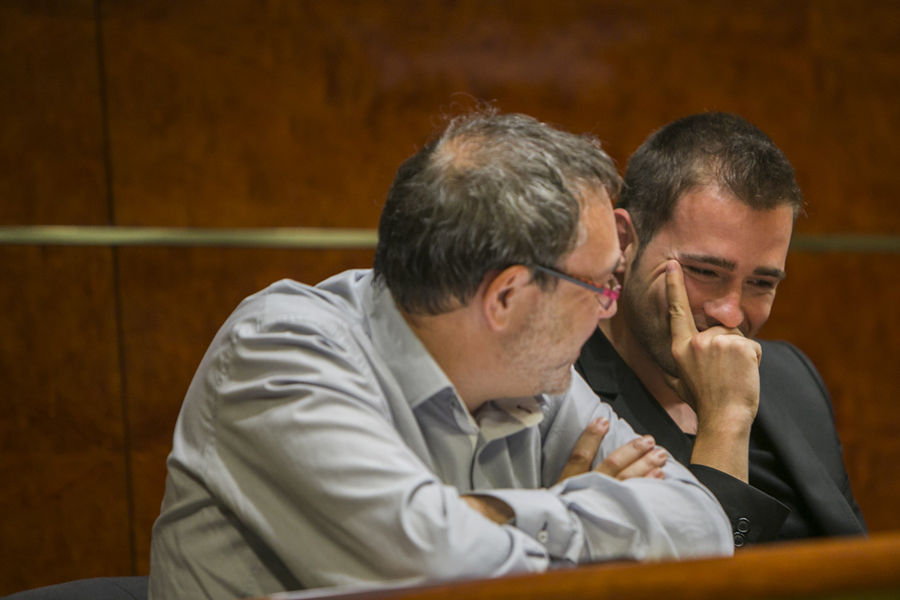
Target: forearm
{"x":594,"y":517}
{"x":669,"y":519}
{"x":724,"y":445}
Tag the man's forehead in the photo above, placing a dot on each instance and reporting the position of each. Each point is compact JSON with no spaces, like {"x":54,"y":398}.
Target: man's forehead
{"x":720,"y":230}
{"x":707,"y":201}
{"x":598,"y":247}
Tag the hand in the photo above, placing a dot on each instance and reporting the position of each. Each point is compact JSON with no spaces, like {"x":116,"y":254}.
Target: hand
{"x":718,"y":376}
{"x":718,"y":367}
{"x":638,"y":458}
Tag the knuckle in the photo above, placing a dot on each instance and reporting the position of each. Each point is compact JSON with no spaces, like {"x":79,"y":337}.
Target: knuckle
{"x":699,"y":342}
{"x":613,"y":463}
{"x":580,"y":456}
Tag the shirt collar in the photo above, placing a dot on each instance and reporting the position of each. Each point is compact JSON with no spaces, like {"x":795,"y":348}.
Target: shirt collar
{"x":418,"y":375}
{"x":500,"y":418}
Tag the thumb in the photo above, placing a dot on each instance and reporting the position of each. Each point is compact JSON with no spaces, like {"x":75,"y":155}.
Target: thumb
{"x":681,"y":321}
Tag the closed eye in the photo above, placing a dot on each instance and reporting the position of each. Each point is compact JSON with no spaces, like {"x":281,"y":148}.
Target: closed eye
{"x":763,"y":284}
{"x":701,"y":272}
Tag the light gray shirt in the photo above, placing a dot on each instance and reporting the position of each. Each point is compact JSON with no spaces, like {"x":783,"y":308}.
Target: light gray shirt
{"x":319,"y":444}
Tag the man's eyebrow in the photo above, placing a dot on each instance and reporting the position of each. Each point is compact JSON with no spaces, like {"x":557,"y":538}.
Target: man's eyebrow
{"x":716,"y":261}
{"x":730,"y":265}
{"x":770,"y":272}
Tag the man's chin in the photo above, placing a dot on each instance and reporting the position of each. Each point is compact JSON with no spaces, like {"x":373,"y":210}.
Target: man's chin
{"x":560,"y":385}
{"x":666,"y":362}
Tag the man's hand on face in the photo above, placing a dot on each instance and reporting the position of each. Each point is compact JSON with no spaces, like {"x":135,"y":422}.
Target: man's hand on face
{"x":638,"y":458}
{"x":718,"y":376}
{"x":718,"y":368}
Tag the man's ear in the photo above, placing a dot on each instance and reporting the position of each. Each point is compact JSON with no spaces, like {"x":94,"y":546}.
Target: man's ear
{"x":505,"y":297}
{"x":628,"y":239}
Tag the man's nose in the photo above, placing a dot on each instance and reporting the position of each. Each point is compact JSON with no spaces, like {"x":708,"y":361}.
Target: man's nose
{"x":725,"y":309}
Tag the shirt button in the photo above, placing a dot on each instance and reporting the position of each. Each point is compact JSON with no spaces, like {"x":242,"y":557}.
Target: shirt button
{"x":743,"y":525}
{"x":738,"y":539}
{"x":543,"y":536}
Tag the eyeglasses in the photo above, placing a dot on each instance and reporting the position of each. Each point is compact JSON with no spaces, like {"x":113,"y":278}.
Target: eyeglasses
{"x":606,"y":293}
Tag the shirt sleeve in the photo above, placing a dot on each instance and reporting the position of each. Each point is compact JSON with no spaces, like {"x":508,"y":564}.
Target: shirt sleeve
{"x":593,"y":517}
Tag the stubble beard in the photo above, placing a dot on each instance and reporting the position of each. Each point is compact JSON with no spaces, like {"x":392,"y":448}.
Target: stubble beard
{"x":528,"y":352}
{"x":648,"y":327}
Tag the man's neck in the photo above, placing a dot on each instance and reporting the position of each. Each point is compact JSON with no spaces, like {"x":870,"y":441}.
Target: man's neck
{"x":450,"y":342}
{"x":648,"y":371}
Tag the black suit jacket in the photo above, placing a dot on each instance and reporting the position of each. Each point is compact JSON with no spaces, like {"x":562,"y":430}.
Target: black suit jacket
{"x":796,"y":416}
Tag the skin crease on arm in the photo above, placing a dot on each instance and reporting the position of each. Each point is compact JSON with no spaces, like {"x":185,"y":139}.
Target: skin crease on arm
{"x":718,"y":377}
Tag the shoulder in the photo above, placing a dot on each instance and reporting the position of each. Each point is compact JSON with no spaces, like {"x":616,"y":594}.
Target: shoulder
{"x":791,"y":385}
{"x":784,"y":367}
{"x":290,"y":322}
{"x":337,"y":303}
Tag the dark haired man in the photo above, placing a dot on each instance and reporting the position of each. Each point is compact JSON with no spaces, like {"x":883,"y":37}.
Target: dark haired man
{"x":715,"y":194}
{"x":423,"y":420}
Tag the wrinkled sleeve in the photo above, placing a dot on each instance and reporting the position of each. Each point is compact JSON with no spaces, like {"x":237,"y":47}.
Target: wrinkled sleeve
{"x":593,"y":517}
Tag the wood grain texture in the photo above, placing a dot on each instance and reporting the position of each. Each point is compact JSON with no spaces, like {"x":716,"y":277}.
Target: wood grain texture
{"x":62,"y":447}
{"x":51,"y":139}
{"x":834,"y":569}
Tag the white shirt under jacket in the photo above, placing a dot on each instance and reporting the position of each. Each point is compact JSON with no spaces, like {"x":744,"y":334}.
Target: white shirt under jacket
{"x":319,"y":444}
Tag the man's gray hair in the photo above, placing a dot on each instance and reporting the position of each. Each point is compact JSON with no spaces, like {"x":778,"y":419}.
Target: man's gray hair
{"x":492,"y":191}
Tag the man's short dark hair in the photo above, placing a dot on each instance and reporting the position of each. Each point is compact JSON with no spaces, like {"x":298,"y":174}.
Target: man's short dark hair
{"x":711,"y":148}
{"x":490,"y":192}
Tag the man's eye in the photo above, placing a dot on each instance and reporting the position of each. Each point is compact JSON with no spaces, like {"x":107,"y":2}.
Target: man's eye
{"x":701,"y":272}
{"x":763,"y":284}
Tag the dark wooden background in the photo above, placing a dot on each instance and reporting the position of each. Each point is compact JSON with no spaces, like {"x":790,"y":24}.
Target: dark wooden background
{"x":275,"y":113}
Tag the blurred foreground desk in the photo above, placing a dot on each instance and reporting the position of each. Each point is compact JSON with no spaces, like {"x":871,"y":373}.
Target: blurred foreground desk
{"x":858,"y":569}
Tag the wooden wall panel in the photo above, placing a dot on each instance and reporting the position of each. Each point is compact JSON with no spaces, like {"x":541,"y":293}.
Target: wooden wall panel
{"x":282,"y":114}
{"x":51,"y":139}
{"x":245,"y":114}
{"x":65,"y":495}
{"x":849,"y":163}
{"x":62,"y":447}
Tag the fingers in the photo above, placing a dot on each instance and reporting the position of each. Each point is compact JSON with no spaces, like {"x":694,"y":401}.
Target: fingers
{"x":586,"y":448}
{"x":638,"y":458}
{"x":681,"y":321}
